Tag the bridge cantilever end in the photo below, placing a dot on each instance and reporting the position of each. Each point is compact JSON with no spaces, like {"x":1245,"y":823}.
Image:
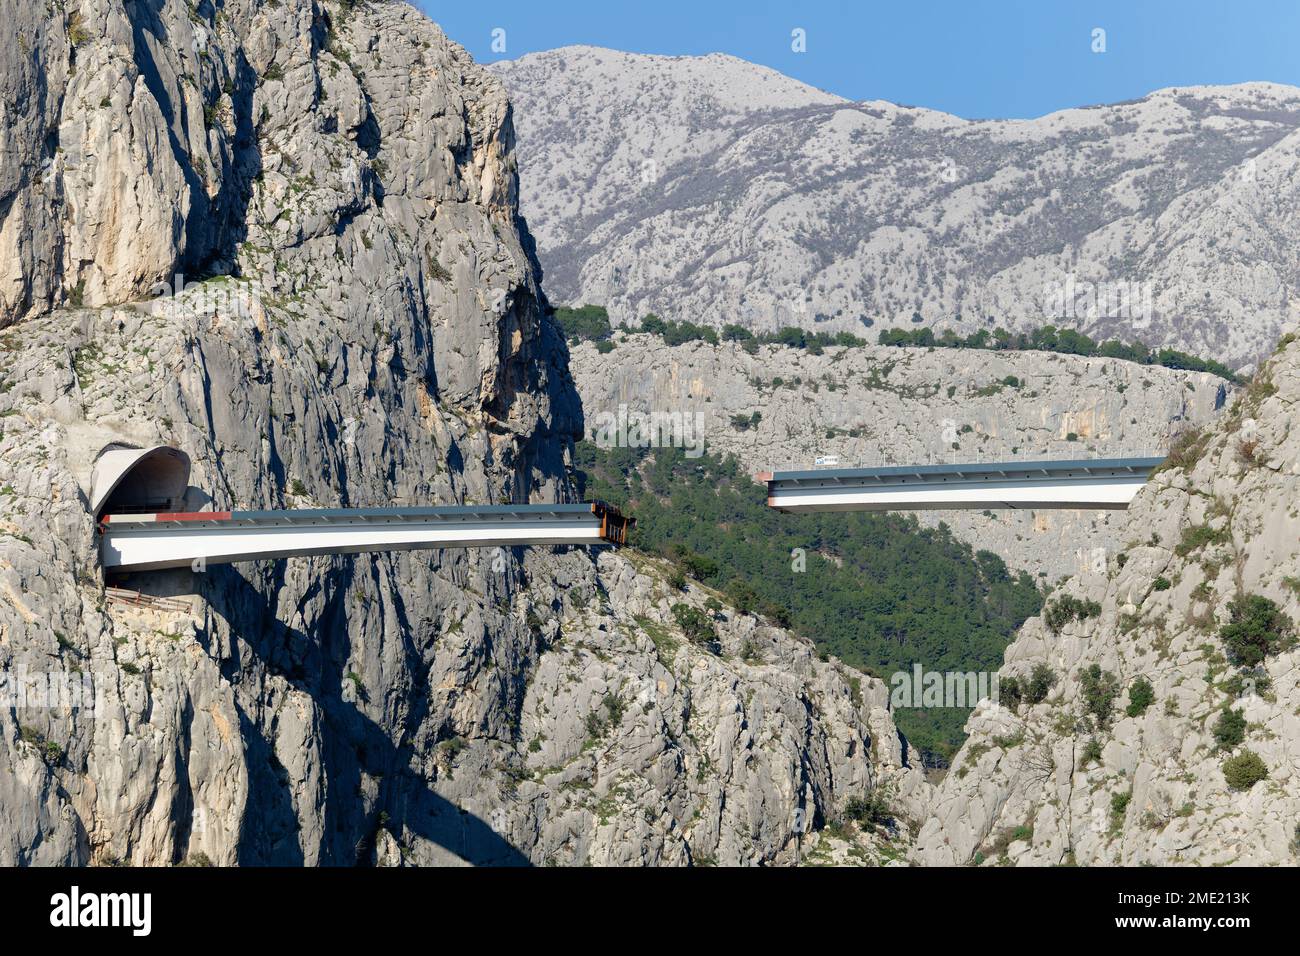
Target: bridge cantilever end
{"x":614,"y":525}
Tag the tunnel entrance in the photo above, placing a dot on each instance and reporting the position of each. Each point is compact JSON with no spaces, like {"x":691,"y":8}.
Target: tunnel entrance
{"x":128,"y":480}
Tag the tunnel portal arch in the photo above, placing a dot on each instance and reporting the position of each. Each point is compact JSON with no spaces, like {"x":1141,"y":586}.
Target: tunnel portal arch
{"x":128,"y":480}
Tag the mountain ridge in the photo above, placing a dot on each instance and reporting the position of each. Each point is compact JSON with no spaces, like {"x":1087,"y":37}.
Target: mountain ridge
{"x":839,"y":215}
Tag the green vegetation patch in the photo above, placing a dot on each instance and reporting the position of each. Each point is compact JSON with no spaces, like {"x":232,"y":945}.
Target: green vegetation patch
{"x":1012,"y":691}
{"x":1200,"y":536}
{"x":695,"y":624}
{"x":1068,"y":608}
{"x":1244,"y":770}
{"x":1100,"y":688}
{"x":876,"y":590}
{"x":588,"y":323}
{"x":1230,"y":729}
{"x":1257,"y":628}
{"x":1049,"y":338}
{"x":1141,"y":695}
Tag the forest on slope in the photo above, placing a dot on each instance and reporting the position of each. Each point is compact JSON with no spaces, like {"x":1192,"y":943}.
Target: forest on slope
{"x":877,"y":591}
{"x":590,"y":323}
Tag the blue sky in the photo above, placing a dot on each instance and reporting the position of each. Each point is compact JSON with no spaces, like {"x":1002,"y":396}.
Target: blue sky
{"x":975,"y":58}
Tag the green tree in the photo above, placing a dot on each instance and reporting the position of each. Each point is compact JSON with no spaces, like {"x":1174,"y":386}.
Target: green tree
{"x":1041,"y":681}
{"x":1010,"y":693}
{"x":1068,"y":608}
{"x":588,"y":323}
{"x":1141,"y":695}
{"x":1230,"y":729}
{"x":870,"y":809}
{"x":1099,"y":692}
{"x":695,"y":624}
{"x":1256,"y":629}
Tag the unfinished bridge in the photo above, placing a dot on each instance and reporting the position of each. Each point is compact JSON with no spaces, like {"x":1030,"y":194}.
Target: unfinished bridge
{"x":1104,"y":483}
{"x":138,"y":499}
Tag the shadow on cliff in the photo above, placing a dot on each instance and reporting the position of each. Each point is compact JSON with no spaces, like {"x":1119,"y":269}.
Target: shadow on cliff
{"x":214,"y":225}
{"x":547,"y":444}
{"x":353,"y":746}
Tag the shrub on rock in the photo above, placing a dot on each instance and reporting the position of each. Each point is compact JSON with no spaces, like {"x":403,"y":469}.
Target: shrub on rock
{"x":1141,"y":695}
{"x":1244,"y":770}
{"x":1041,"y":681}
{"x":1256,"y":629}
{"x":1230,"y":729}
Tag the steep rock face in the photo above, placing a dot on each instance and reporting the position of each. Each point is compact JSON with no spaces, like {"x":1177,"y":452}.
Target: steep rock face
{"x":375,"y":336}
{"x":754,"y":199}
{"x":108,"y":95}
{"x":34,"y":61}
{"x":894,"y":406}
{"x":1055,"y":782}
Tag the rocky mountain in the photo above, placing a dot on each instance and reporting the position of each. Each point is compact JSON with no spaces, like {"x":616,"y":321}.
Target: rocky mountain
{"x":780,"y":408}
{"x":285,"y":237}
{"x":713,"y":190}
{"x":1165,"y":725}
{"x":368,"y":330}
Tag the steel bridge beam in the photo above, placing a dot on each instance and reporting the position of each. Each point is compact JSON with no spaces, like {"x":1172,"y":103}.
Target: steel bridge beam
{"x":133,"y":542}
{"x":1108,"y":483}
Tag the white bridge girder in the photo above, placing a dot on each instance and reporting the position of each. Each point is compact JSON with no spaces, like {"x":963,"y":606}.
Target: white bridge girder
{"x":131,"y":542}
{"x":1108,"y":484}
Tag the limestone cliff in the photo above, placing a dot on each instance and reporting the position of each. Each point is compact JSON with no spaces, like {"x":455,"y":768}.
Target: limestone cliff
{"x":1129,"y":757}
{"x":368,"y":329}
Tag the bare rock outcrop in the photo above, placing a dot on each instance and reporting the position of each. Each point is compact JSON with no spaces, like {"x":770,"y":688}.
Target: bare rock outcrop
{"x":1129,"y":758}
{"x":284,"y":238}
